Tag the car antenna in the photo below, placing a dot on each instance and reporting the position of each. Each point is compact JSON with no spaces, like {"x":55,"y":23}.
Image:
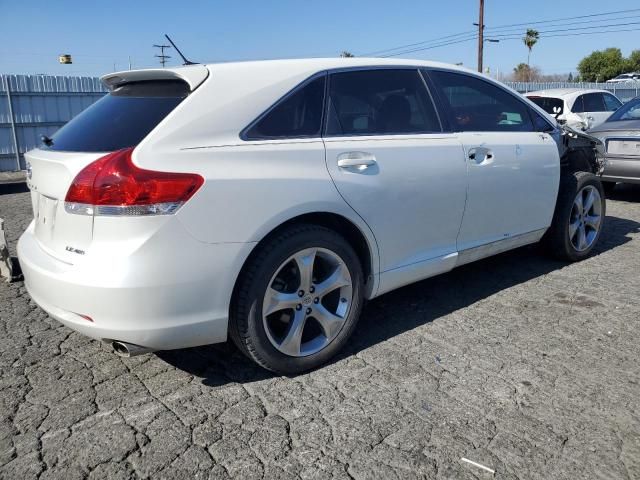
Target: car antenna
{"x":186,"y":62}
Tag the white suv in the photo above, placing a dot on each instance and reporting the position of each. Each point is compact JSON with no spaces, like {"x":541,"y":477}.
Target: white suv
{"x":268,"y":200}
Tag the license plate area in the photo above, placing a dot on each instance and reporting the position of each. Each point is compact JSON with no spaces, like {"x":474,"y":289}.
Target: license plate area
{"x":629,"y":148}
{"x":45,"y":216}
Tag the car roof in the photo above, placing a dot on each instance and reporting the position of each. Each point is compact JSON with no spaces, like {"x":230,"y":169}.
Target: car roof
{"x":566,"y":93}
{"x":339,"y":62}
{"x":195,"y":74}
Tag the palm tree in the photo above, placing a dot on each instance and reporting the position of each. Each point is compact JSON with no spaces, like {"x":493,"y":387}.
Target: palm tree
{"x":530,"y":39}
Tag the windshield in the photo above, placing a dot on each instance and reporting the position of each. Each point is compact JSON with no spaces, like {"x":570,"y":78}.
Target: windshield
{"x":120,"y":119}
{"x":628,"y":111}
{"x":553,"y":106}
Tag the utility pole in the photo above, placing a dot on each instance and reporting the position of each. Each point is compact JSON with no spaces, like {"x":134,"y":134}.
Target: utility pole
{"x":480,"y":35}
{"x":163,"y":58}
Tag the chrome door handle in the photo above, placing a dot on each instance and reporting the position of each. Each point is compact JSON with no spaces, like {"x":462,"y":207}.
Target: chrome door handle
{"x":356,"y":161}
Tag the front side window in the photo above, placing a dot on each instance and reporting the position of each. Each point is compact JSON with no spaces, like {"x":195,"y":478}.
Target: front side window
{"x":476,"y":105}
{"x":380,"y":102}
{"x":593,"y":102}
{"x":611,"y":103}
{"x":298,"y":114}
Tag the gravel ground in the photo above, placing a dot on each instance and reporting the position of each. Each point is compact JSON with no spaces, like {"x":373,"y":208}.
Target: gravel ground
{"x":522,"y":364}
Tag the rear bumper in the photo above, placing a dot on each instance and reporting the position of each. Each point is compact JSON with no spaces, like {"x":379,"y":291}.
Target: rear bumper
{"x":172,"y":292}
{"x":621,"y":169}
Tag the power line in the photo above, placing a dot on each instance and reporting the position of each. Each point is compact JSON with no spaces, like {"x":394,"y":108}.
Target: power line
{"x":514,"y":37}
{"x":527,"y":24}
{"x":459,"y":36}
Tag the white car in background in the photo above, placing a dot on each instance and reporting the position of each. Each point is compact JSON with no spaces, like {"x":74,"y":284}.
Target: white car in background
{"x":266,"y":201}
{"x":578,"y":108}
{"x":626,"y":77}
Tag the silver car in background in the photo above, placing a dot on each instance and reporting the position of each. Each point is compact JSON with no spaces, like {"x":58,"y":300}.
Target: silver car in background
{"x":620,"y":135}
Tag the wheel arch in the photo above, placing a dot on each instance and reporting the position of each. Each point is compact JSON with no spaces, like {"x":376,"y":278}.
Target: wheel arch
{"x":365,"y":247}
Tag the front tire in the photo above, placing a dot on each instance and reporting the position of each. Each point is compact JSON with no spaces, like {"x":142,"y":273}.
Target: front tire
{"x":578,"y":218}
{"x":298,"y":300}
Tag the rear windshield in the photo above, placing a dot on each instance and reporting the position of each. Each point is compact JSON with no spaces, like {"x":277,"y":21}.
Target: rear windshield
{"x":553,"y":106}
{"x":121,"y":118}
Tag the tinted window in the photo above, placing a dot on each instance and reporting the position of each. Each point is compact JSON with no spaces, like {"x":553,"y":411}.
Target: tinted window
{"x":379,"y":102}
{"x":578,"y":106}
{"x":553,"y":106}
{"x":121,"y":118}
{"x":541,"y":124}
{"x":629,"y":111}
{"x":298,"y":114}
{"x":479,"y":106}
{"x":593,"y":102}
{"x":611,"y":102}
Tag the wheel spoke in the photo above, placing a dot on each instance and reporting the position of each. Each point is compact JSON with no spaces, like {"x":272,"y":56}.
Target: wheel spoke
{"x":578,"y":203}
{"x":588,"y":203}
{"x":276,"y":301}
{"x":329,"y":322}
{"x":338,"y":278}
{"x":293,"y":339}
{"x":304,"y":261}
{"x":573,"y":228}
{"x":592,"y":221}
{"x":582,"y":238}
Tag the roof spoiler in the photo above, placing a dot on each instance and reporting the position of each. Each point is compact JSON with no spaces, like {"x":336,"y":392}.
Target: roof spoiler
{"x":194,"y":75}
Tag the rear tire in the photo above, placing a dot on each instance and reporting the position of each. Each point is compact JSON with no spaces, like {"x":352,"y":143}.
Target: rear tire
{"x":579,"y":217}
{"x":298,"y":300}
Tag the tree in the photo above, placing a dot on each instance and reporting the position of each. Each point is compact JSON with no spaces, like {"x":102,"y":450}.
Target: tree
{"x":346,"y":54}
{"x":634,"y":61}
{"x":603,"y":65}
{"x":530,"y":39}
{"x":525,"y":73}
{"x":570,"y":77}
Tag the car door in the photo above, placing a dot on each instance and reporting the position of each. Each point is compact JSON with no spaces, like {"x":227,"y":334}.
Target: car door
{"x":391,"y":161}
{"x":591,"y":108}
{"x":513,"y":170}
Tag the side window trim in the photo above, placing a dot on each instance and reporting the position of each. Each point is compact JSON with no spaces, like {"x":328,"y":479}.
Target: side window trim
{"x":427,"y":70}
{"x":243,"y":133}
{"x":327,"y":100}
{"x":429,"y":89}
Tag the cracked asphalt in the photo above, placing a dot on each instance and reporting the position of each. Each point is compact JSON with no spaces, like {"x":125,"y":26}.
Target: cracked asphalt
{"x":522,"y":364}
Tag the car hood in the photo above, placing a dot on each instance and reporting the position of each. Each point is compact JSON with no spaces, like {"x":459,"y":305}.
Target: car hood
{"x":623,"y":127}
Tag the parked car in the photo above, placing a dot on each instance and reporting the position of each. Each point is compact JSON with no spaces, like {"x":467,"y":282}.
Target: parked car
{"x":620,"y":135}
{"x":626,"y":77}
{"x":578,"y":108}
{"x":268,"y":200}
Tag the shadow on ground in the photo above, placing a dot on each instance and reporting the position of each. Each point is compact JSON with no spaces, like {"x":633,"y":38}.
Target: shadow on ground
{"x":405,"y":308}
{"x":8,"y":188}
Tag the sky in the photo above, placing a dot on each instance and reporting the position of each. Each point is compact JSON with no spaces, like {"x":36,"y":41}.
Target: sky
{"x":102,"y":36}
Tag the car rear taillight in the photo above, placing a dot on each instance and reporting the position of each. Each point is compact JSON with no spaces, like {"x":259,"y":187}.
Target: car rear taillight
{"x":113,"y":185}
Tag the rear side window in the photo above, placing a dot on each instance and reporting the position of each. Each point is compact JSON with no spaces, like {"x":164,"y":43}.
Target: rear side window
{"x":298,"y":114}
{"x":479,"y":106}
{"x":553,"y":106}
{"x":380,"y":102}
{"x":122,"y":118}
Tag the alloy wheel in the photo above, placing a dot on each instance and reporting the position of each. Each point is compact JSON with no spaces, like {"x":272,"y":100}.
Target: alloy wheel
{"x":307,"y":302}
{"x":585,"y":219}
